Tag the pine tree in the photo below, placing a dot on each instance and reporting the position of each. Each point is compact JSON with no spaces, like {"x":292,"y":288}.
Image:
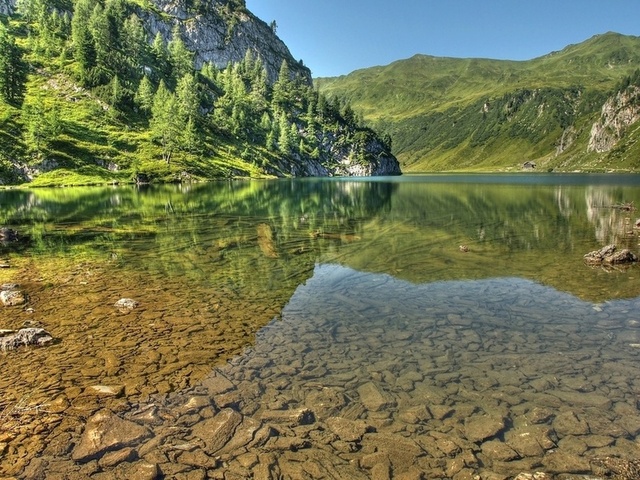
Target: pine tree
{"x":188,"y":102}
{"x":116,"y":95}
{"x":180,"y":58}
{"x":282,"y":88}
{"x":144,"y":95}
{"x":83,"y":46}
{"x":13,"y":70}
{"x":284,"y":135}
{"x":135,"y":44}
{"x":160,"y":57}
{"x":164,"y":126}
{"x":42,"y":124}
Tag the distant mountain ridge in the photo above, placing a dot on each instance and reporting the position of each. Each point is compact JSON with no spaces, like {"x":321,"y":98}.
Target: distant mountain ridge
{"x":482,"y":114}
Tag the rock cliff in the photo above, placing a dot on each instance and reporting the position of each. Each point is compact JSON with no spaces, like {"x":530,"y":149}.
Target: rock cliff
{"x":342,"y":162}
{"x":618,"y":113}
{"x":6,"y":7}
{"x":221,"y":34}
{"x":216,"y":31}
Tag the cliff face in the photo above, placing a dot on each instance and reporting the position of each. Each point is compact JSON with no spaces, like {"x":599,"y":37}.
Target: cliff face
{"x":339,"y":161}
{"x":216,"y":32}
{"x":222,"y":35}
{"x":7,"y":7}
{"x":618,"y":113}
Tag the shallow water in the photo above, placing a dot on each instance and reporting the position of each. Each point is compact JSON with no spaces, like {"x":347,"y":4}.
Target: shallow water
{"x":444,"y":326}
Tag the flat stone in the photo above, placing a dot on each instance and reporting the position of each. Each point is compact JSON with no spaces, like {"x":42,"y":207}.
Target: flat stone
{"x":479,"y":428}
{"x":246,"y":433}
{"x":567,"y":423}
{"x":373,"y":399}
{"x":499,"y":451}
{"x":106,"y":390}
{"x":564,"y":462}
{"x":139,"y":471}
{"x":531,"y":441}
{"x":216,"y":432}
{"x":217,"y":384}
{"x":291,"y":418}
{"x":111,"y":459}
{"x":348,"y":430}
{"x":440,"y":412}
{"x":105,"y":432}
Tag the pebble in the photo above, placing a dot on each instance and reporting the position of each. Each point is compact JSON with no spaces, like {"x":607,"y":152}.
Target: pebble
{"x":327,"y":391}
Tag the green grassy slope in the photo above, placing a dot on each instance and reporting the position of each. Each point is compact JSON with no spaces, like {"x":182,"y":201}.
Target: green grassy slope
{"x":100,"y":99}
{"x":451,"y":114}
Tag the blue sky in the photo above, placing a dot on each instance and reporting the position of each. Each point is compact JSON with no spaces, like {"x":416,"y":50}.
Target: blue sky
{"x":335,"y":37}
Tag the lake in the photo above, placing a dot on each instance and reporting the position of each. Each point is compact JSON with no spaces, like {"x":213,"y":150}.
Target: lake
{"x":423,"y":326}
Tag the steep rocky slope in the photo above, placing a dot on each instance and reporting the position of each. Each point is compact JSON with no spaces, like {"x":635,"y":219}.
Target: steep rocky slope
{"x":221,"y":35}
{"x":619,"y":113}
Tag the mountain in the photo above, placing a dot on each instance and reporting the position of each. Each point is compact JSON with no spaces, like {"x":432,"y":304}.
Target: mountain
{"x":575,"y":109}
{"x":95,"y":91}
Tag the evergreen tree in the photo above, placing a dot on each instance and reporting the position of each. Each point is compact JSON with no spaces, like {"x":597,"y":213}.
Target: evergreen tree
{"x":83,"y":46}
{"x":160,"y":57}
{"x":144,"y":95}
{"x":180,"y":58}
{"x":284,"y":135}
{"x":165,"y":129}
{"x":116,"y":96}
{"x":13,"y":70}
{"x":42,"y":124}
{"x":188,"y":102}
{"x":135,"y":45}
{"x":209,"y":71}
{"x":282,"y":88}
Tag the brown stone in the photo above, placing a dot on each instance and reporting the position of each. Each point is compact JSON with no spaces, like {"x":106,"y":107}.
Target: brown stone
{"x":564,"y":462}
{"x":216,"y":432}
{"x":111,"y":459}
{"x":499,"y":451}
{"x":106,"y":390}
{"x":567,"y":423}
{"x":479,"y":428}
{"x":348,"y":430}
{"x":105,"y":432}
{"x":373,"y":398}
{"x":292,"y":418}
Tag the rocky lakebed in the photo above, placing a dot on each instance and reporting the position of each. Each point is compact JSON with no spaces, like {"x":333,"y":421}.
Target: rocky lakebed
{"x":359,"y":376}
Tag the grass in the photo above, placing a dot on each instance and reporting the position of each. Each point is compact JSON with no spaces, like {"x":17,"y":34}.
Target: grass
{"x":433,"y":107}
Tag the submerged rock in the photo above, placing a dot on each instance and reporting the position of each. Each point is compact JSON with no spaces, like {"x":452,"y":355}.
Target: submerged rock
{"x":610,"y":255}
{"x":25,"y":337}
{"x":12,"y":298}
{"x":107,"y":432}
{"x":125,"y":305}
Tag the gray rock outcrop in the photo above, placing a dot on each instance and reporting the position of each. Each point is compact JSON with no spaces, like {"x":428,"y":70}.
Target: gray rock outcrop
{"x":618,"y":113}
{"x":6,"y":7}
{"x":221,"y":36}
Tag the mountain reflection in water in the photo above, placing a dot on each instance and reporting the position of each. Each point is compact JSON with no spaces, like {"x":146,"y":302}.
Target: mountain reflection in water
{"x":347,"y":301}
